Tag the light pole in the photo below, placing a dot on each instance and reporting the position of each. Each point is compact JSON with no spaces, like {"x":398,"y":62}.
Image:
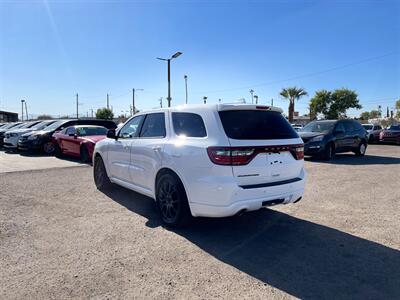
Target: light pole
{"x":177,"y":54}
{"x":22,"y":109}
{"x":133,"y":100}
{"x":205,"y":99}
{"x":256,"y":97}
{"x":252,"y":98}
{"x":186,"y":92}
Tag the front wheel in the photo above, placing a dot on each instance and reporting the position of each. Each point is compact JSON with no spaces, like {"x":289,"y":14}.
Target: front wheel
{"x":172,"y":201}
{"x":329,"y":152}
{"x":362,"y":148}
{"x":100,"y":174}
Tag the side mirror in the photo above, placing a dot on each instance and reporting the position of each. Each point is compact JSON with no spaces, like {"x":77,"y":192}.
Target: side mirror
{"x":111,"y":134}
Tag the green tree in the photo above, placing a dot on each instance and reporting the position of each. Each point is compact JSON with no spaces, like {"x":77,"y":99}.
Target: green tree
{"x":104,"y":113}
{"x":374,"y":114}
{"x":365,"y":115}
{"x":292,"y":94}
{"x":333,"y":105}
{"x":397,"y":104}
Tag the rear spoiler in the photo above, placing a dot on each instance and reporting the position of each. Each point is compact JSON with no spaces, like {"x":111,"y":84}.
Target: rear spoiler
{"x":222,"y":107}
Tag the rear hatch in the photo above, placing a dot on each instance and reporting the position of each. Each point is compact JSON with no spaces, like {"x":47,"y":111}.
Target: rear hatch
{"x":264,"y":146}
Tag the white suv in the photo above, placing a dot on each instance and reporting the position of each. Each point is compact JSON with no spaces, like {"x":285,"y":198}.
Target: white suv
{"x":205,"y":160}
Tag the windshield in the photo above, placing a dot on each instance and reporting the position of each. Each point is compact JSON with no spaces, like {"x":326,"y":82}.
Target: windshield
{"x":8,"y":126}
{"x":55,"y":125}
{"x":86,"y":131}
{"x":319,"y":126}
{"x":367,"y":126}
{"x":42,"y":125}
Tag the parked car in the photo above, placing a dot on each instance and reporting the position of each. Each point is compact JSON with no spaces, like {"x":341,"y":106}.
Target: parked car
{"x":205,"y":160}
{"x":12,"y":136}
{"x":42,"y":140}
{"x":373,"y":131}
{"x":390,"y":135}
{"x":78,"y":141}
{"x":6,"y":128}
{"x":325,"y":138}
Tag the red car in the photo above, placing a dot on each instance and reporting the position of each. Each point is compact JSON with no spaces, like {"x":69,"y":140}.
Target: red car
{"x":390,"y":135}
{"x":78,"y":140}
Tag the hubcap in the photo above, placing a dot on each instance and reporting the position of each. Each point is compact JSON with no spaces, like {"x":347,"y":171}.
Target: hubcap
{"x":168,"y":201}
{"x":362,"y":148}
{"x":48,"y":147}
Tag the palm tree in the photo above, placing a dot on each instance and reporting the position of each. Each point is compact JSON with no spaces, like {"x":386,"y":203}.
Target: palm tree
{"x":292,"y":94}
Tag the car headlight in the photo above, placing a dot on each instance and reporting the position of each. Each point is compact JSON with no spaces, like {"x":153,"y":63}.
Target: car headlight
{"x":317,"y":138}
{"x":33,"y":137}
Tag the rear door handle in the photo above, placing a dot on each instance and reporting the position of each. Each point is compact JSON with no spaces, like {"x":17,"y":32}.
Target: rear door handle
{"x":156,"y":148}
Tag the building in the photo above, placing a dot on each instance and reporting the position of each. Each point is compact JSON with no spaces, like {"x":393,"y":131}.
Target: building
{"x":7,"y":116}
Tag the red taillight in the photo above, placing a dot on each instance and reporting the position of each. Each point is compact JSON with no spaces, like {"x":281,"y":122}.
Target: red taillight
{"x":236,"y":156}
{"x":230,"y":155}
{"x":298,"y":152}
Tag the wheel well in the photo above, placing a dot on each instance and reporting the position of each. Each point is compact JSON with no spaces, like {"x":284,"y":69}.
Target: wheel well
{"x":163,"y":171}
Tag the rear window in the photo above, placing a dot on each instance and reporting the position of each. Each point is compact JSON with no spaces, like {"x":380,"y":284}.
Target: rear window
{"x":188,"y":124}
{"x":256,"y":125}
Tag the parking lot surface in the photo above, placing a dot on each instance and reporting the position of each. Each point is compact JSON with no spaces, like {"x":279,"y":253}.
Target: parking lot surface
{"x":14,"y":162}
{"x":62,"y":238}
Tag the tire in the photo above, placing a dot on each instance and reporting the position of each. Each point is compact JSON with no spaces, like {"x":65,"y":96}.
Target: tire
{"x":48,"y":148}
{"x":84,"y":154}
{"x":172,"y":202}
{"x":100,"y":176}
{"x":362,"y":148}
{"x":329,"y":152}
{"x":57,"y":151}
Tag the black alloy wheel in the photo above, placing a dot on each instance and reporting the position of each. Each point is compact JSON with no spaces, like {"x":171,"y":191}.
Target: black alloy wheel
{"x":100,"y":174}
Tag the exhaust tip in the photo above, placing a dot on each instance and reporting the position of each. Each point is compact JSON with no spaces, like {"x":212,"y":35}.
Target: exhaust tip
{"x":297,"y":200}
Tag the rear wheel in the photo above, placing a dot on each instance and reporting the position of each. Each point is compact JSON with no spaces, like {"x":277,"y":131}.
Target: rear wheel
{"x":172,"y":201}
{"x":84,"y":154}
{"x":362,"y":148}
{"x":57,"y":151}
{"x":100,"y":174}
{"x":329,"y":152}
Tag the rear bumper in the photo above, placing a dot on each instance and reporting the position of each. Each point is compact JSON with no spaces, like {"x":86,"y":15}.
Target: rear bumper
{"x":238,"y":199}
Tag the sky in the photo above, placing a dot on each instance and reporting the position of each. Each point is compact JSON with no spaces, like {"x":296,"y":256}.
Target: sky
{"x":51,"y":50}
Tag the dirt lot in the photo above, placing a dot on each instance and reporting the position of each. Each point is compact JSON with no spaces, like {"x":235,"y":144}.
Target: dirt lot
{"x":61,"y":238}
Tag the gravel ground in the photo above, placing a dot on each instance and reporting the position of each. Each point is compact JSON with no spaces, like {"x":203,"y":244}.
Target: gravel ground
{"x":61,"y":238}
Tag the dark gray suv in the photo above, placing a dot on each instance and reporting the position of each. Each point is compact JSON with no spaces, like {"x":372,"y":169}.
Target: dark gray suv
{"x":325,"y":138}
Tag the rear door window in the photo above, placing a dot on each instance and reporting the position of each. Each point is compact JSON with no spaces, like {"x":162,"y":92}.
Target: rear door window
{"x":256,"y":125}
{"x":188,"y":124}
{"x":153,"y":126}
{"x":348,"y":126}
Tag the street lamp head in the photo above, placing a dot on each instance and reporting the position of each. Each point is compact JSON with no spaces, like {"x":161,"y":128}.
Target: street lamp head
{"x":162,"y":58}
{"x":176,"y":54}
{"x":185,"y":77}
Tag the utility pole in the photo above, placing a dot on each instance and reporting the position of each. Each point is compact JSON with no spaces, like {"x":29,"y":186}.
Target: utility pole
{"x":133,"y":99}
{"x":256,"y":97}
{"x":160,"y":102}
{"x":186,"y":91}
{"x":22,"y":109}
{"x":92,"y":112}
{"x":252,"y":98}
{"x":272,"y":101}
{"x":108,"y":101}
{"x":205,"y":99}
{"x":26,"y":112}
{"x":77,"y":104}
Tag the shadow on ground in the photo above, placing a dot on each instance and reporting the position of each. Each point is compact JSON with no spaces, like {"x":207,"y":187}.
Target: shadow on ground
{"x":351,"y":159}
{"x":302,"y":258}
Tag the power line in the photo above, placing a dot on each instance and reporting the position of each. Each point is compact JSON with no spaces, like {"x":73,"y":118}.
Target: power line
{"x":303,"y":75}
